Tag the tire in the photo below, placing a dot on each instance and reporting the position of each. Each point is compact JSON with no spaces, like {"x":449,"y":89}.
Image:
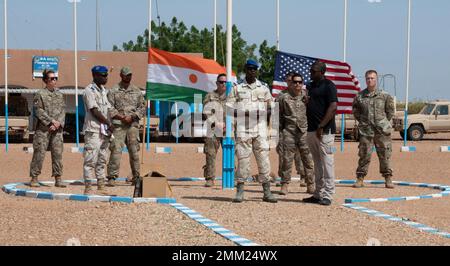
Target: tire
{"x":415,"y":133}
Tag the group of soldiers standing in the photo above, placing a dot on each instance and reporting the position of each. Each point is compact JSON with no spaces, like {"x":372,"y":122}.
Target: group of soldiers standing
{"x":111,"y":123}
{"x":306,"y":133}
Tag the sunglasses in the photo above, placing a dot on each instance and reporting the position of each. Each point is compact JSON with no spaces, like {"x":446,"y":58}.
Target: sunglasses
{"x":103,"y":74}
{"x":252,"y":68}
{"x":295,"y":82}
{"x":52,"y":79}
{"x":221,"y":82}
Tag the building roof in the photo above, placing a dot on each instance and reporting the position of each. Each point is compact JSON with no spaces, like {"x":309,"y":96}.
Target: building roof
{"x":20,"y":67}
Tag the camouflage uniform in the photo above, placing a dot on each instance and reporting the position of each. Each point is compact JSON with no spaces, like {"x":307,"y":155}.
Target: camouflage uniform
{"x":48,"y":106}
{"x":293,"y":127}
{"x":251,"y":136}
{"x":373,"y":111}
{"x":129,"y":102}
{"x":214,"y":136}
{"x":297,"y":158}
{"x":95,"y":143}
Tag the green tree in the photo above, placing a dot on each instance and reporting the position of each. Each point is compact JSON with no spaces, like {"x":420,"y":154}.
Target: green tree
{"x":267,"y":62}
{"x":176,"y":37}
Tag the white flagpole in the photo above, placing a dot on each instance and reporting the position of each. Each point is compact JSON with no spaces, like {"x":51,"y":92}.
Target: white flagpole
{"x":6,"y":76}
{"x":228,"y":145}
{"x":407,"y":73}
{"x":75,"y":38}
{"x":146,"y":132}
{"x":278,"y":25}
{"x":345,"y":60}
{"x":215,"y":30}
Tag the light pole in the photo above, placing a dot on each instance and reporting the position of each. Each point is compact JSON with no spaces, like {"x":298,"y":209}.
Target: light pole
{"x":6,"y":74}
{"x":278,"y":25}
{"x":215,"y":30}
{"x":75,"y":41}
{"x":345,"y":60}
{"x":407,"y":74}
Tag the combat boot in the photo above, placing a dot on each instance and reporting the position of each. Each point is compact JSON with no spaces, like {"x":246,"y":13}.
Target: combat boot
{"x":388,"y":182}
{"x":34,"y":182}
{"x":359,"y":182}
{"x":302,"y":182}
{"x":58,"y":182}
{"x":239,"y":193}
{"x":209,"y":183}
{"x":268,"y":197}
{"x":101,"y":188}
{"x":88,"y":188}
{"x":284,"y":189}
{"x":310,"y":188}
{"x":111,"y":182}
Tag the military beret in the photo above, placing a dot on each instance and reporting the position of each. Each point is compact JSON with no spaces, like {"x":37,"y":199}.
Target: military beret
{"x":251,"y":62}
{"x":99,"y":69}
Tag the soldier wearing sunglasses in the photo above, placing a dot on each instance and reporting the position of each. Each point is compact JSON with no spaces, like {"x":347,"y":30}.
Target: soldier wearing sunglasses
{"x":214,"y":109}
{"x":49,"y":110}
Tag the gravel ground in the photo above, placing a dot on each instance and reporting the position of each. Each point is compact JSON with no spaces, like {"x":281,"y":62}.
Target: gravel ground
{"x":27,"y":221}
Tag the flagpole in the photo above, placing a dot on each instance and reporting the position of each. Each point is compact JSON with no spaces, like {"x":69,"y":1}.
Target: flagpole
{"x":228,"y":144}
{"x":345,"y":60}
{"x":278,"y":25}
{"x":405,"y":133}
{"x":6,"y":75}
{"x":147,"y":117}
{"x":215,"y":30}
{"x":75,"y":37}
{"x":176,"y":121}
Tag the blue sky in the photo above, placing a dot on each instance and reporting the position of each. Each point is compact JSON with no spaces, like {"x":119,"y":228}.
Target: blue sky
{"x":376,"y":31}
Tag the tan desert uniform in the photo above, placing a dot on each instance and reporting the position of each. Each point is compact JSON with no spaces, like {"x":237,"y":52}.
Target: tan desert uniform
{"x":251,"y":135}
{"x":96,"y":144}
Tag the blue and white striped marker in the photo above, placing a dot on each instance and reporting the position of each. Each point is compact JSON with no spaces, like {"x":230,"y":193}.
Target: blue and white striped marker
{"x":210,"y":224}
{"x":166,"y":150}
{"x":11,"y":189}
{"x":408,"y":149}
{"x":445,"y":148}
{"x":81,"y":150}
{"x":445,"y":192}
{"x":415,"y":225}
{"x":201,"y":149}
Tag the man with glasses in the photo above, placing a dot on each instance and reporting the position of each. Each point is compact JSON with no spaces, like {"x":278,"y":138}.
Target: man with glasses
{"x":128,"y":107}
{"x":250,"y":102}
{"x":97,"y":130}
{"x":214,"y":109}
{"x":374,"y":109}
{"x":49,"y":109}
{"x":297,"y":158}
{"x":321,"y":109}
{"x":293,"y":128}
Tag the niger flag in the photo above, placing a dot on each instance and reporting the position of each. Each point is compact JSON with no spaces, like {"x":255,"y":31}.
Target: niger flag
{"x":175,"y":77}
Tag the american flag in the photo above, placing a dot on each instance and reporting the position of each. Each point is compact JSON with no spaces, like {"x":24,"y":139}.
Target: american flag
{"x":339,"y":73}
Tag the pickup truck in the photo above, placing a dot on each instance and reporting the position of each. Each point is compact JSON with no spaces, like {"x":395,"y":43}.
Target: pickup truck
{"x":433,"y":118}
{"x":18,"y":118}
{"x":351,"y":127}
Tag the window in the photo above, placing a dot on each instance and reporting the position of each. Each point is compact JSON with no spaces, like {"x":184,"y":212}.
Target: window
{"x":442,"y":110}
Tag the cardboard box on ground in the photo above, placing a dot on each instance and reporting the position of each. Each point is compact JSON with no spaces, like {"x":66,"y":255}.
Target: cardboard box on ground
{"x":155,"y":185}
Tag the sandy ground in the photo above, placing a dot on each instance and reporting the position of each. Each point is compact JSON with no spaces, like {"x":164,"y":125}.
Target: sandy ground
{"x":25,"y":221}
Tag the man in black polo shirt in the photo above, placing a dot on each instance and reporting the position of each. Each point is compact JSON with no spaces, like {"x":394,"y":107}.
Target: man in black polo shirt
{"x":320,"y":112}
